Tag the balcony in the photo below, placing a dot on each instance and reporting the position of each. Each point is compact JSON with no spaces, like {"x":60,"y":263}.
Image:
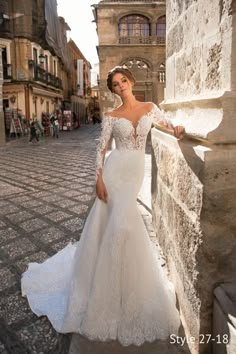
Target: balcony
{"x":142,"y":40}
{"x":42,"y":75}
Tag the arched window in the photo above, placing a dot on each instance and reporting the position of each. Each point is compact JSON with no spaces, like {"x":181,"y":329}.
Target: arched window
{"x":134,"y":26}
{"x":161,"y":29}
{"x":162,"y":73}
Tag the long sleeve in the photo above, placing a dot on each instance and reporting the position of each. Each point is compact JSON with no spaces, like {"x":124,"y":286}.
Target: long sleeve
{"x":107,"y":124}
{"x":159,"y":118}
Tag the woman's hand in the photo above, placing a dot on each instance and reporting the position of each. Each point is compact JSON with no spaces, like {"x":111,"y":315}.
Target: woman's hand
{"x":178,"y":131}
{"x":101,"y":190}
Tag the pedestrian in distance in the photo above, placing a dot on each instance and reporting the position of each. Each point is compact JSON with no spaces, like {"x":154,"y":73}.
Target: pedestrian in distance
{"x":33,"y":132}
{"x":55,"y":124}
{"x":110,"y":285}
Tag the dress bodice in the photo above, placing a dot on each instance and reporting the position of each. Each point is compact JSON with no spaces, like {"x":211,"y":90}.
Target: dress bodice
{"x":126,"y":135}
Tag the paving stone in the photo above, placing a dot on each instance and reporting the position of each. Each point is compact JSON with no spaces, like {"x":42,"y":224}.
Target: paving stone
{"x":58,"y":216}
{"x":33,"y":224}
{"x":39,"y":337}
{"x":72,"y":193}
{"x":73,"y":225}
{"x":15,"y":308}
{"x":49,"y":235}
{"x":31,"y":203}
{"x":79,"y":209}
{"x":21,"y":216}
{"x":65,"y":203}
{"x":2,"y":224}
{"x":42,"y":194}
{"x":38,"y":257}
{"x":54,"y":180}
{"x":84,"y":197}
{"x":44,"y":209}
{"x":8,"y":234}
{"x":18,"y":248}
{"x":88,"y":189}
{"x":48,"y":187}
{"x":52,"y":198}
{"x":7,"y":279}
{"x":9,"y":208}
{"x":7,"y":189}
{"x":58,"y":246}
{"x":19,"y":200}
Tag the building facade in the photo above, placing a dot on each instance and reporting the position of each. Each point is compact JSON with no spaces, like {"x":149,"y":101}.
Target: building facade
{"x":36,"y":62}
{"x":79,"y":82}
{"x":132,"y":34}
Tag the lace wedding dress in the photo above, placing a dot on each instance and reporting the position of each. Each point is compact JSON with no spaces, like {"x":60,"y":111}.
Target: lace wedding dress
{"x":109,"y":285}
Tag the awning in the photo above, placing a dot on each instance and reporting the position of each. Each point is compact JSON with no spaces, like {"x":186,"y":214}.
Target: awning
{"x":45,"y":93}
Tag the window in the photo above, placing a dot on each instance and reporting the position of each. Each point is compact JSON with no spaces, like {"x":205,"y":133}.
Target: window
{"x":46,"y":63}
{"x":162,"y":73}
{"x":35,"y":56}
{"x":54,"y":67}
{"x":134,"y":26}
{"x":4,"y":63}
{"x":161,"y":27}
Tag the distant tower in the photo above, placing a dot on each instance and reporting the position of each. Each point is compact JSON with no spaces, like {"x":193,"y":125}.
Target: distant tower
{"x":132,"y":33}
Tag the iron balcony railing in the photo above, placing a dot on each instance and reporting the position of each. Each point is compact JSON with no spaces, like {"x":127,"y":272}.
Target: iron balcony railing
{"x":42,"y":75}
{"x":142,"y":40}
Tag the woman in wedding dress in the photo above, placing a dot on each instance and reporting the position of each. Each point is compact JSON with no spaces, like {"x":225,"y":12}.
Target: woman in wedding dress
{"x":110,"y":285}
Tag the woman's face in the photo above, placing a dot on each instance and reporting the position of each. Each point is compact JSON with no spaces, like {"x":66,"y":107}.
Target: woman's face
{"x":121,"y":85}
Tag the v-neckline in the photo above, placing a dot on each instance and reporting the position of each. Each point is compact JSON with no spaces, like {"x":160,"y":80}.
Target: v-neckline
{"x":138,"y":121}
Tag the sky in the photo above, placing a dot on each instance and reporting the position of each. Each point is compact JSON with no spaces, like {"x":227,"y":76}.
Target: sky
{"x":79,"y":17}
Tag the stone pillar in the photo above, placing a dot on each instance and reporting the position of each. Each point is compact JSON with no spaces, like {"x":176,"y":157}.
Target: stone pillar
{"x":193,"y":180}
{"x":2,"y":121}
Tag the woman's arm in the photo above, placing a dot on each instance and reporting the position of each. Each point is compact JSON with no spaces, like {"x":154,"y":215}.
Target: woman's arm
{"x":107,"y":124}
{"x":161,"y":120}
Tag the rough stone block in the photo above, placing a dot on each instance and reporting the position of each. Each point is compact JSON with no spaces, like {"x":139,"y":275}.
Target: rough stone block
{"x":193,"y":200}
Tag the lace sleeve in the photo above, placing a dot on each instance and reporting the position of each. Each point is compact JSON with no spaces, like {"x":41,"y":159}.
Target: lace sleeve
{"x":107,"y":124}
{"x":159,"y":117}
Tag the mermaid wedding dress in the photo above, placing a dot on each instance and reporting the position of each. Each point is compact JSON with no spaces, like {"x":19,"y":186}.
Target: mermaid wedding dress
{"x":109,"y":285}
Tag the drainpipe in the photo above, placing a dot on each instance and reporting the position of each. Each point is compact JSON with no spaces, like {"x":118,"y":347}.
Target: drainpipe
{"x":2,"y":120}
{"x":27,"y":104}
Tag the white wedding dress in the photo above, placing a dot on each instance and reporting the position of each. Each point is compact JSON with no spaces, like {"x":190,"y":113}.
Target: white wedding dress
{"x":109,"y":285}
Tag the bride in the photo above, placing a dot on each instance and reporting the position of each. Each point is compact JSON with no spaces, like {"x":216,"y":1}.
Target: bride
{"x":110,"y":285}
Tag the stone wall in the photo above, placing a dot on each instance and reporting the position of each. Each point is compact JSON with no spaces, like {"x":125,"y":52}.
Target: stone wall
{"x":193,"y":180}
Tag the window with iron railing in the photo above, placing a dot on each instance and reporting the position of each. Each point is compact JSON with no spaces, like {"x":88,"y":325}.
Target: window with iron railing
{"x":134,"y":26}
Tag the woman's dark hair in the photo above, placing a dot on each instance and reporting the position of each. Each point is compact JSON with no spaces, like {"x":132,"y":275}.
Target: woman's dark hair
{"x":119,"y":70}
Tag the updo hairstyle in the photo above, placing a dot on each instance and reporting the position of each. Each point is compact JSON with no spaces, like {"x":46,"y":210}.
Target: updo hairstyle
{"x":119,"y":70}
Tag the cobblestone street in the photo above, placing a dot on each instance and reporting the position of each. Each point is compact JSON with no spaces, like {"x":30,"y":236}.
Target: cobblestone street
{"x":46,"y":192}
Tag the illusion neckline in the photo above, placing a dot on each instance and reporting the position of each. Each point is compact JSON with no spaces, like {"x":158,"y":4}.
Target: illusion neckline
{"x":138,"y":121}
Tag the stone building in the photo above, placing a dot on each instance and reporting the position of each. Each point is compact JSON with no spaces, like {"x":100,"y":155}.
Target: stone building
{"x":79,"y":81}
{"x":33,"y":65}
{"x":132,"y":33}
{"x":193,"y":180}
{"x":36,"y":64}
